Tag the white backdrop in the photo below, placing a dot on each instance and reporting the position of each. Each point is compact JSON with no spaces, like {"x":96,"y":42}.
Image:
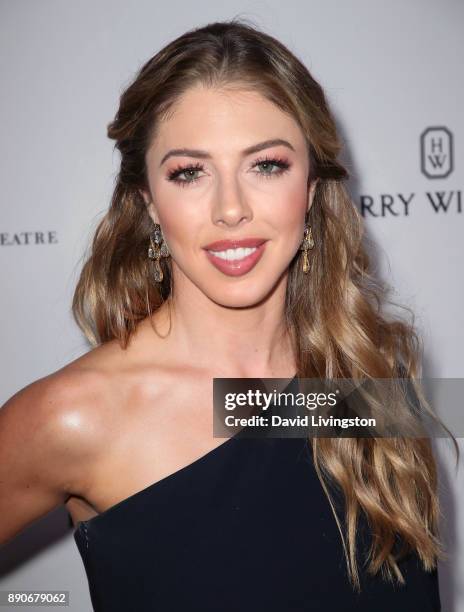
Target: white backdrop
{"x":392,"y":70}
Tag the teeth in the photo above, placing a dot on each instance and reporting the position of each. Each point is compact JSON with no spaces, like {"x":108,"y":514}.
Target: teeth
{"x":233,"y":254}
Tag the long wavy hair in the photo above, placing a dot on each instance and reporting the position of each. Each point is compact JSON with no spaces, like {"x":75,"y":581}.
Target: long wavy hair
{"x":333,"y":313}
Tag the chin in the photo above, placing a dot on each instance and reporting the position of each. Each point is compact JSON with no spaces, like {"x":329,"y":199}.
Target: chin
{"x":243,"y":295}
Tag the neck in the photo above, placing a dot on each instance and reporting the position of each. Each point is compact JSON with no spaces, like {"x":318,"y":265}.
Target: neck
{"x":251,"y":341}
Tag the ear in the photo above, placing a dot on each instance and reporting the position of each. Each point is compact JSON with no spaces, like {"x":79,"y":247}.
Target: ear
{"x":311,"y":192}
{"x":149,"y":204}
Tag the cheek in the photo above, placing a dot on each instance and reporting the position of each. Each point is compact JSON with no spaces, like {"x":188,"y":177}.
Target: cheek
{"x":182,"y":226}
{"x":289,"y":204}
{"x":288,"y":217}
{"x":179,"y":216}
{"x":290,"y":187}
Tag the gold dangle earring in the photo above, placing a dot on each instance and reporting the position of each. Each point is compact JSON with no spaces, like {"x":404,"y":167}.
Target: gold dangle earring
{"x":308,"y":243}
{"x":157,"y":249}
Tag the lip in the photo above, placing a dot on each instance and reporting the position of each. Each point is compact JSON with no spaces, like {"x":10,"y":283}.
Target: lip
{"x":237,"y":267}
{"x":223,"y":245}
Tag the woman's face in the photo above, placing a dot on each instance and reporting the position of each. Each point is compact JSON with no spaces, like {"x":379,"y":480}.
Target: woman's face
{"x":229,"y":166}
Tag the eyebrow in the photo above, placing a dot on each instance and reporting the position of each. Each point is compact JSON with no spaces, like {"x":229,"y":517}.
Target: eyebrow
{"x":248,"y":151}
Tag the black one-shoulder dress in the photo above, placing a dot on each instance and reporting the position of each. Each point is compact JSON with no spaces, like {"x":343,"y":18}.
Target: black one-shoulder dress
{"x":246,"y":527}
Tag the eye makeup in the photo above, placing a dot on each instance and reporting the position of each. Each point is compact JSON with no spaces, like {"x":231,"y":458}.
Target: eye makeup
{"x":280,"y":163}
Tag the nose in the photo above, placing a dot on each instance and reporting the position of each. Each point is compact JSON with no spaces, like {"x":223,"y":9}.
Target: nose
{"x":231,"y":207}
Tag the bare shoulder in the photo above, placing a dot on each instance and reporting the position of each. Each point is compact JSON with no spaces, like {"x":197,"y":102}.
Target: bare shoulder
{"x":62,"y":409}
{"x":50,"y":431}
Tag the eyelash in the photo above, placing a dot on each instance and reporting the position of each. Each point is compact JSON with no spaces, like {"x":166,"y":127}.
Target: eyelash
{"x":275,"y":161}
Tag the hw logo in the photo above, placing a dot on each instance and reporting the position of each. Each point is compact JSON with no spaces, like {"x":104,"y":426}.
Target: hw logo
{"x":436,"y":152}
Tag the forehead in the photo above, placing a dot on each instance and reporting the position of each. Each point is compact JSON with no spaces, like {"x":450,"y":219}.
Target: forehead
{"x":225,"y":118}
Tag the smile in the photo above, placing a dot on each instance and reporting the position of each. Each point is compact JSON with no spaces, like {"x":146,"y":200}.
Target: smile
{"x":233,"y":254}
{"x":238,"y":261}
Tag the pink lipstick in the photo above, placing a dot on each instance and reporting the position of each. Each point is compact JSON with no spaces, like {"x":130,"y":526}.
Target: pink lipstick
{"x":235,"y":257}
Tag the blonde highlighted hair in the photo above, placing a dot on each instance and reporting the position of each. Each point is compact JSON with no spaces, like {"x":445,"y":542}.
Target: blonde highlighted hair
{"x":333,"y":314}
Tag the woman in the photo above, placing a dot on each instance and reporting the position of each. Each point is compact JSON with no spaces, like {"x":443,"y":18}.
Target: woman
{"x":230,"y":249}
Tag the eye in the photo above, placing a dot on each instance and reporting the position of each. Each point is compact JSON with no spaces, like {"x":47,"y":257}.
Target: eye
{"x":271,"y":166}
{"x":188,"y":172}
